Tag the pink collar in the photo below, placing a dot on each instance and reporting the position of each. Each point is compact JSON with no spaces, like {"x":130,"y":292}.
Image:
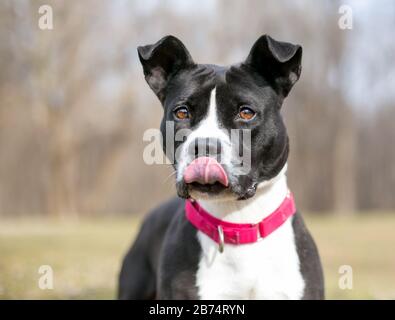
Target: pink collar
{"x":238,"y":233}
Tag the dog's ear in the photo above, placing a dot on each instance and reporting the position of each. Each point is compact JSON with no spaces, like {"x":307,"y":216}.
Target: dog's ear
{"x":161,"y":61}
{"x":278,"y":62}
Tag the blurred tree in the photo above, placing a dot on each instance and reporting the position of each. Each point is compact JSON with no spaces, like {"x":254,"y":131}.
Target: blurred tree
{"x":74,"y":103}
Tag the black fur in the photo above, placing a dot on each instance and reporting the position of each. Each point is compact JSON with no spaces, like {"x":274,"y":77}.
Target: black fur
{"x":163,"y":260}
{"x":163,"y":264}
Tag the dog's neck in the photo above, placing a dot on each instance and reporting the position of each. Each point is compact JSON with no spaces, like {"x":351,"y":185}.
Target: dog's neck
{"x":269,"y":195}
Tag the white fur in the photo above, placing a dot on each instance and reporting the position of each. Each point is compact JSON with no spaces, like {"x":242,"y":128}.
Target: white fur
{"x":267,"y":269}
{"x":209,"y":127}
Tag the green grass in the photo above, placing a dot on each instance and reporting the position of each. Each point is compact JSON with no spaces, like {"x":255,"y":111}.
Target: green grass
{"x":85,"y":255}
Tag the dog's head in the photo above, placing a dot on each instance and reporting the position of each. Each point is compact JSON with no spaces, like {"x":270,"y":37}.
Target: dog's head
{"x":229,"y":135}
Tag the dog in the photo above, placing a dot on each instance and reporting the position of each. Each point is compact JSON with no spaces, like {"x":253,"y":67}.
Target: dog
{"x":228,"y":235}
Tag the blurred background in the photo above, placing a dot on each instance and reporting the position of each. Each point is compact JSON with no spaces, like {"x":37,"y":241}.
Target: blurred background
{"x":74,"y":105}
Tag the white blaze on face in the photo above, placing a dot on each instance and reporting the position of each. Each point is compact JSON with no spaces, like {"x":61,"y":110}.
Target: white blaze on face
{"x":209,"y":128}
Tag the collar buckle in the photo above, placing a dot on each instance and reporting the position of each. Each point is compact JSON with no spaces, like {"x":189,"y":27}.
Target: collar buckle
{"x":221,"y":239}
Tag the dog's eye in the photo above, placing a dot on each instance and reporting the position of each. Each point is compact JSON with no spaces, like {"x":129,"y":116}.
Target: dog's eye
{"x":246,"y":113}
{"x":182,"y":113}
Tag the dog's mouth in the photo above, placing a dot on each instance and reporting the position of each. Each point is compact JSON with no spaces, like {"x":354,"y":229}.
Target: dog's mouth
{"x":214,"y":188}
{"x":205,"y":175}
{"x":205,"y":171}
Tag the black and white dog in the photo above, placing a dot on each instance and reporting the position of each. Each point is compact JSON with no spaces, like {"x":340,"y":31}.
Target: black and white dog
{"x":228,"y":235}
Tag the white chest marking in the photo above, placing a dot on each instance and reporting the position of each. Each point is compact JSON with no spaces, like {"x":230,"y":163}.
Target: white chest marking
{"x":267,"y":269}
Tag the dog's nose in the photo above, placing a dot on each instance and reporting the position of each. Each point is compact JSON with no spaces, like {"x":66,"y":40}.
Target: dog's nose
{"x":207,"y":147}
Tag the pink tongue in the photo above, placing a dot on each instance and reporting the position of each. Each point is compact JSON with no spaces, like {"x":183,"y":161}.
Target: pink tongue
{"x":205,"y":170}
